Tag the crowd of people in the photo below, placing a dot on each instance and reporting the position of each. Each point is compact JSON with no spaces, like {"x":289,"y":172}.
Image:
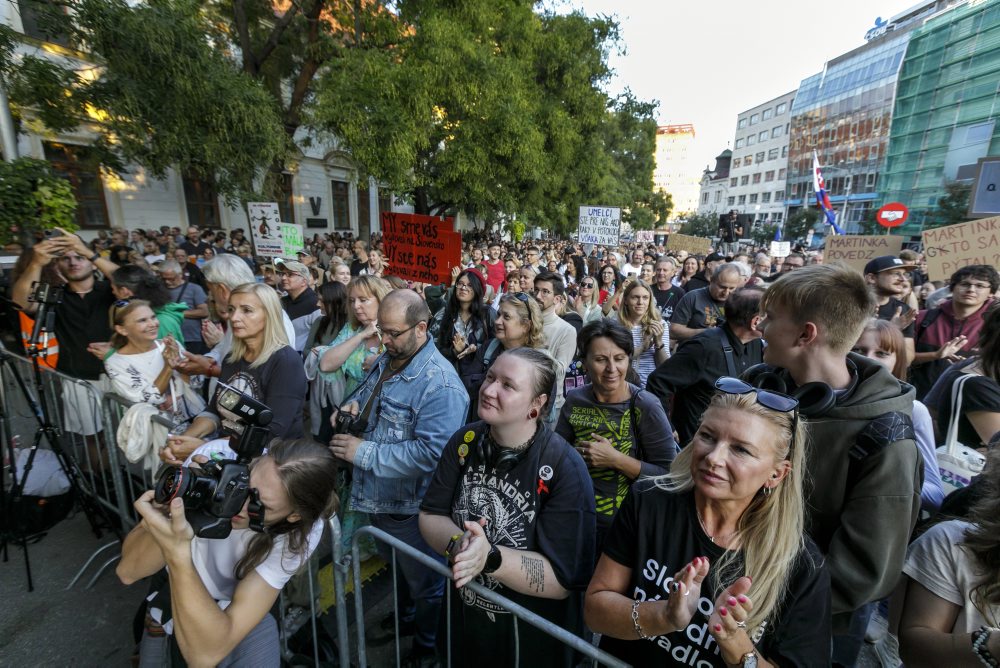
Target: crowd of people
{"x":595,"y":433}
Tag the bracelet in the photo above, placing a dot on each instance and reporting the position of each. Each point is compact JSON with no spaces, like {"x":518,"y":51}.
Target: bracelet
{"x":635,"y":621}
{"x":660,"y":347}
{"x":94,"y":257}
{"x":979,"y":648}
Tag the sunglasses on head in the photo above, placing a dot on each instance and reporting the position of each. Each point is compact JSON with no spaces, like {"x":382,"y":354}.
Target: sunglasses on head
{"x":775,"y":401}
{"x":121,"y":303}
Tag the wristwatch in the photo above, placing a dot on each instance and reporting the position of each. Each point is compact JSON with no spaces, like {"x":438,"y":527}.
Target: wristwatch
{"x":94,"y":257}
{"x":493,"y":560}
{"x":749,"y":660}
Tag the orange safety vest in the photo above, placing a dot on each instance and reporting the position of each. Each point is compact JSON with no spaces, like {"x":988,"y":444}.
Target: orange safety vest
{"x":50,"y":355}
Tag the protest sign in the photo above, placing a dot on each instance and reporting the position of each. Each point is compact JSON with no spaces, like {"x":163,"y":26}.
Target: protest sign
{"x":857,"y":250}
{"x":291,"y":239}
{"x":644,"y":236}
{"x":686,"y":242}
{"x":948,"y":249}
{"x":781,"y":248}
{"x":420,"y":248}
{"x":599,"y":225}
{"x":264,"y":228}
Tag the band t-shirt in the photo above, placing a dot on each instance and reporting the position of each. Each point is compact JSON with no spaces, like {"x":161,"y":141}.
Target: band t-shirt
{"x":698,"y":310}
{"x":544,"y":503}
{"x":279,"y":383}
{"x":656,"y":533}
{"x":667,"y":300}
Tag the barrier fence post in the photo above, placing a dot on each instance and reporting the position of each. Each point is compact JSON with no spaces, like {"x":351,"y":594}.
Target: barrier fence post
{"x":339,"y":583}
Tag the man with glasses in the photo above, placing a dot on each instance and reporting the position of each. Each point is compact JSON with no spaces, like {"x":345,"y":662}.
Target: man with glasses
{"x":300,"y":301}
{"x":532,"y":259}
{"x":950,"y":332}
{"x":193,"y":243}
{"x":560,"y":336}
{"x":889,"y":277}
{"x":406,"y":409}
{"x":634,"y":266}
{"x":80,"y":319}
{"x":865,"y":468}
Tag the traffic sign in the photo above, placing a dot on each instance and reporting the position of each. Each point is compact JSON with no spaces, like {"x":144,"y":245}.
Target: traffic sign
{"x":892,"y":214}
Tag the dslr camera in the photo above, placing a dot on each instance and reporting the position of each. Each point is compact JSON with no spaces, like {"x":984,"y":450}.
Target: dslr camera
{"x":215,"y":492}
{"x":352,"y":425}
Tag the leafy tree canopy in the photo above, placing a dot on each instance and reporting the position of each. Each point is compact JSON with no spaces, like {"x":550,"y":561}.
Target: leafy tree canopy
{"x":701,"y":225}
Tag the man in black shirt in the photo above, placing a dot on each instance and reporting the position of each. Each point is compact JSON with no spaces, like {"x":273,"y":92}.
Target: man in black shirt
{"x":702,"y":278}
{"x":666,"y":294}
{"x":730,"y":232}
{"x":192,"y":272}
{"x":685,"y":383}
{"x":193,"y":244}
{"x":702,"y":308}
{"x":888,"y":276}
{"x":80,"y":319}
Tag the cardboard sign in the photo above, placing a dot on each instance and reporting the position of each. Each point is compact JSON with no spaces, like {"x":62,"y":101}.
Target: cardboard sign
{"x":857,"y":250}
{"x":948,"y":249}
{"x":644,"y":236}
{"x":781,"y":248}
{"x":600,"y":225}
{"x":265,"y":230}
{"x":420,"y":248}
{"x":686,"y":242}
{"x":292,"y":240}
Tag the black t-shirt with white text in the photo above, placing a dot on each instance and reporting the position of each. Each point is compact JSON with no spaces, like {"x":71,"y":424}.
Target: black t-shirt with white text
{"x":545,"y":503}
{"x":656,"y":533}
{"x":667,"y":300}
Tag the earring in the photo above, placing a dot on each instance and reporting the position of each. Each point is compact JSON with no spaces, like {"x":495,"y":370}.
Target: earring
{"x":767,"y":490}
{"x":533,"y":415}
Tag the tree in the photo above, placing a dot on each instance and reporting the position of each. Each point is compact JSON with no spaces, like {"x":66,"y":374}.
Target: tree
{"x":798,"y":224}
{"x":33,"y":198}
{"x":952,"y":208}
{"x":701,"y":225}
{"x":762,"y":235}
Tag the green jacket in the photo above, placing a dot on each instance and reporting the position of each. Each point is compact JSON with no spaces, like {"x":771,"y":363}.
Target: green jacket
{"x":171,"y":316}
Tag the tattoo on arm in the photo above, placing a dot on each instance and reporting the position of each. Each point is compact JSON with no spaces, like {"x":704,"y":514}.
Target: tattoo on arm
{"x":534,"y":570}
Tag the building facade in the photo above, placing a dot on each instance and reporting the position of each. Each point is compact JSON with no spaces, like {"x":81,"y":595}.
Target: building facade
{"x":677,"y":170}
{"x":759,"y":167}
{"x":843,"y":114}
{"x":715,"y":185}
{"x":946,"y":108}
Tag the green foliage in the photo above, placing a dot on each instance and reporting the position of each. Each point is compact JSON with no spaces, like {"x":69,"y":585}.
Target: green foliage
{"x":516,"y":228}
{"x":798,"y":225}
{"x":952,"y":208}
{"x":763,"y":235}
{"x":869,"y":224}
{"x":33,"y":198}
{"x":701,"y":225}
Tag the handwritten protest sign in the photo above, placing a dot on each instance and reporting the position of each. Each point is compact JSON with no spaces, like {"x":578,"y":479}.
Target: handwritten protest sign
{"x":948,"y":249}
{"x":781,"y":248}
{"x":857,"y":250}
{"x":291,"y":239}
{"x":644,"y":236}
{"x":600,"y":225}
{"x":686,"y":242}
{"x":265,"y":228}
{"x":420,"y":248}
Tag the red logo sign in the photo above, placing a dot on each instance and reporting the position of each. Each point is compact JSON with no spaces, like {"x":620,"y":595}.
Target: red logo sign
{"x":892,"y":214}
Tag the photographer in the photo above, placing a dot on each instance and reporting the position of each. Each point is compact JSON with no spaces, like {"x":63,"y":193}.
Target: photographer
{"x":81,"y":318}
{"x":261,"y":363}
{"x":214,"y":605}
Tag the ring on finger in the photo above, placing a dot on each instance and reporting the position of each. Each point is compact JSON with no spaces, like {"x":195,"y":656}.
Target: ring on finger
{"x":741,"y":625}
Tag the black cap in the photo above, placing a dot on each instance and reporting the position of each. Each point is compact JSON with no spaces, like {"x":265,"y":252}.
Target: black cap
{"x":880,"y":264}
{"x":715,"y":257}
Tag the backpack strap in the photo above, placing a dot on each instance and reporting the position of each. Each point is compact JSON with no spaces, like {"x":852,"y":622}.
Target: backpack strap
{"x":727,"y":349}
{"x":929,"y":318}
{"x":877,"y":435}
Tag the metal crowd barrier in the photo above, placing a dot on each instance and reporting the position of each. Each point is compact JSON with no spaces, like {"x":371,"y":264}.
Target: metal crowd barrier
{"x":519,"y":613}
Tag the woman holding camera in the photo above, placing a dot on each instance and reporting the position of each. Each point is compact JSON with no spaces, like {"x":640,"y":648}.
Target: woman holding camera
{"x":261,"y":364}
{"x":213,"y":605}
{"x":511,"y":506}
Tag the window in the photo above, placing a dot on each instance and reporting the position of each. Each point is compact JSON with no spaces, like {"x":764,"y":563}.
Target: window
{"x":201,"y":201}
{"x":870,"y":180}
{"x":736,"y":163}
{"x":756,"y":178}
{"x":762,"y":136}
{"x":772,"y":154}
{"x":704,"y":198}
{"x":739,"y":143}
{"x":741,"y":124}
{"x":775,"y":131}
{"x":77,"y":165}
{"x":718,"y":196}
{"x":766,"y":114}
{"x":340,"y":205}
{"x":760,"y":157}
{"x":364,"y":212}
{"x":754,"y":118}
{"x":784,"y":151}
{"x":745,"y":179}
{"x":751,"y":140}
{"x":769,"y":175}
{"x":779,"y":195}
{"x":747,"y":161}
{"x":35,"y":23}
{"x":779,"y":216}
{"x":730,"y":201}
{"x":781,"y":173}
{"x":286,"y":203}
{"x":742,"y":199}
{"x":384,"y":203}
{"x":733,"y":181}
{"x":765,"y":198}
{"x":753,"y":198}
{"x":781,"y":108}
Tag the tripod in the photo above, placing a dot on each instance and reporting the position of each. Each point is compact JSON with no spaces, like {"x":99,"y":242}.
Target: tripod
{"x":11,"y":530}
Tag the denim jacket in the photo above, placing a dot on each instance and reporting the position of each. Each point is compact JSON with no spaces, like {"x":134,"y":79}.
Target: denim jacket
{"x":409,"y":423}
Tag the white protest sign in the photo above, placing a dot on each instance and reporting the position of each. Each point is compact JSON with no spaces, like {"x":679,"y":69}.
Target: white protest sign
{"x":265,"y":228}
{"x":600,"y":225}
{"x":781,"y":248}
{"x":644,"y":236}
{"x":292,"y":240}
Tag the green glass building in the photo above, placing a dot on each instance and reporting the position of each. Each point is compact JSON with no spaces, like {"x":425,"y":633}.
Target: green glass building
{"x":946,"y":108}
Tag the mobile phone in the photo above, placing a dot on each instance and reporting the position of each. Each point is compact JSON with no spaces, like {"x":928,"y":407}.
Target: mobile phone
{"x":52,"y":234}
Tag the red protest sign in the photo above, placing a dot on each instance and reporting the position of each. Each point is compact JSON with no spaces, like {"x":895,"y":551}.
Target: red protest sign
{"x":421,"y":248}
{"x":892,"y":214}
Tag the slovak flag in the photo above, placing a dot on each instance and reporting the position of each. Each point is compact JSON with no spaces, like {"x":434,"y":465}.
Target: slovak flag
{"x":822,"y":199}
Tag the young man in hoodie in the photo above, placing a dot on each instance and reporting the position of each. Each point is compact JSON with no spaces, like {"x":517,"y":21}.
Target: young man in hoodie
{"x":863,"y":463}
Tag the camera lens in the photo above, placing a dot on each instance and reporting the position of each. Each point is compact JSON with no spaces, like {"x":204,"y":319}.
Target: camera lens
{"x":172,"y":483}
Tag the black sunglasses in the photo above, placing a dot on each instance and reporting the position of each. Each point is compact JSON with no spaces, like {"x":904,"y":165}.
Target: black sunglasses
{"x":587,"y":285}
{"x":775,"y":401}
{"x":121,"y":303}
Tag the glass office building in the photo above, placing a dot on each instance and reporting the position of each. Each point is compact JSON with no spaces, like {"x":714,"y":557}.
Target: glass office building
{"x":947,"y":103}
{"x":844,"y":114}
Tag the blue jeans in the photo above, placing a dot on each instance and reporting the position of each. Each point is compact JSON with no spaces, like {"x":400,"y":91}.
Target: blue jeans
{"x":420,"y":589}
{"x":847,"y":646}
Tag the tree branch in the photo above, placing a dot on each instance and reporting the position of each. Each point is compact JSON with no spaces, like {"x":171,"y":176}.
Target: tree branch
{"x":279,"y":30}
{"x":243,"y":29}
{"x":310,"y":66}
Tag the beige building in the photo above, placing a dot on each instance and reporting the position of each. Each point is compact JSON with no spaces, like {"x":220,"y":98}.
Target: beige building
{"x":677,"y":169}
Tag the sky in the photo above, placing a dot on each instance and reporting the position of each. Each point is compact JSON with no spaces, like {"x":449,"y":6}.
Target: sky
{"x":708,"y":60}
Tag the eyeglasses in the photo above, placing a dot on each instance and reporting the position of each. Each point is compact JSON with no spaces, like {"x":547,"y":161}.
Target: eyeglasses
{"x":463,"y":286}
{"x":394,"y":335}
{"x":973,"y":286}
{"x":775,"y":401}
